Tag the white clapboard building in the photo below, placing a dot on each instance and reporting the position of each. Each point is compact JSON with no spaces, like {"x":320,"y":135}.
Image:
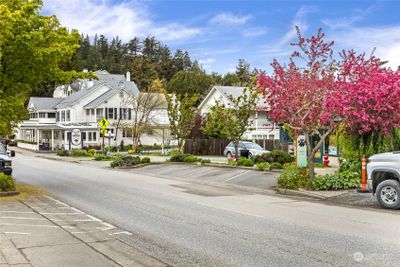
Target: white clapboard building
{"x":69,"y":119}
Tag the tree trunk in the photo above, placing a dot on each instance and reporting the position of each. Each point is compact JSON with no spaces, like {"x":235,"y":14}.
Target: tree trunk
{"x":310,"y":157}
{"x":237,"y":155}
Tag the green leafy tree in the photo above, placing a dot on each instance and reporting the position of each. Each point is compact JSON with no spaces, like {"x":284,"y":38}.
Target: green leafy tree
{"x":231,"y":79}
{"x":231,"y":121}
{"x":181,"y":114}
{"x":190,"y":82}
{"x":143,"y":72}
{"x":243,"y":72}
{"x":32,"y":49}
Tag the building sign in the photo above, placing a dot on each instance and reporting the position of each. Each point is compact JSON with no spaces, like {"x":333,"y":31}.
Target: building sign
{"x":301,"y":151}
{"x":76,"y":137}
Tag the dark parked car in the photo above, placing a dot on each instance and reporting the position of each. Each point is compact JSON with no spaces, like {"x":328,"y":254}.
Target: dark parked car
{"x":5,"y":160}
{"x":246,"y":148}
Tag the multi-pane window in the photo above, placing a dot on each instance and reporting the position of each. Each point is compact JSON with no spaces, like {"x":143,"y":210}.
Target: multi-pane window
{"x":110,"y":113}
{"x":42,"y":115}
{"x":62,"y":115}
{"x":99,"y":114}
{"x":68,"y":115}
{"x":51,"y":115}
{"x":33,"y":115}
{"x":58,"y":116}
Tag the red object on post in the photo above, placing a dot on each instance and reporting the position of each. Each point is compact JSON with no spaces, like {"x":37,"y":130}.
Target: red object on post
{"x":326,"y":160}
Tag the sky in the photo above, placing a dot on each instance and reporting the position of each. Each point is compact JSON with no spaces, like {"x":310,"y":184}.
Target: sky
{"x":219,"y":32}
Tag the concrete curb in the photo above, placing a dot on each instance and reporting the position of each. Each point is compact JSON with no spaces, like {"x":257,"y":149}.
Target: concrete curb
{"x":299,"y":193}
{"x":9,"y":194}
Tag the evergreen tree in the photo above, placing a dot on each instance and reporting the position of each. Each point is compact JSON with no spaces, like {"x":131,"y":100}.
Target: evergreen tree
{"x":243,"y":72}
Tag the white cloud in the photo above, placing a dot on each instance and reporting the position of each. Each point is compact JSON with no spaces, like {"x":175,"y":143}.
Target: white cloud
{"x":228,"y":18}
{"x":126,"y":19}
{"x":254,"y":32}
{"x":207,"y":63}
{"x":282,"y":46}
{"x":386,"y":40}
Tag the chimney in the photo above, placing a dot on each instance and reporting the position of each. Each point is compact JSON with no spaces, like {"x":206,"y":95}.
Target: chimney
{"x":128,"y":76}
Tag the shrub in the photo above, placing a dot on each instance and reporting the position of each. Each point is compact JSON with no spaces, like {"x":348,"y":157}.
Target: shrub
{"x":263,"y":166}
{"x":350,"y":165}
{"x":274,"y":156}
{"x":99,"y":157}
{"x":130,"y":151}
{"x":203,"y":161}
{"x":7,"y":183}
{"x":191,"y":159}
{"x":125,"y":162}
{"x":341,"y":180}
{"x":79,"y":153}
{"x":145,"y":160}
{"x":293,"y":178}
{"x":63,"y":153}
{"x":245,"y":162}
{"x":276,"y":165}
{"x":91,"y":151}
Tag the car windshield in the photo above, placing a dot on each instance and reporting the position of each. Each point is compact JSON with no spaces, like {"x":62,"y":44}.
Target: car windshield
{"x":2,"y":150}
{"x":253,"y":146}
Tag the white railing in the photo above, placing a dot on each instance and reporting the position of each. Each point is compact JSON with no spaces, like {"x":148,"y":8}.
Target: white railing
{"x":27,"y":146}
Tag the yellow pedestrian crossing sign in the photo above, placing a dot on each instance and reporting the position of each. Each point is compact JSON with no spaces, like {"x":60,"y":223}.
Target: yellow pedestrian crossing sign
{"x":103,"y":123}
{"x":104,"y":131}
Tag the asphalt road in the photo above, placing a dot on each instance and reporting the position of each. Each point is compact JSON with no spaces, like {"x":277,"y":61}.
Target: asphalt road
{"x":178,"y":223}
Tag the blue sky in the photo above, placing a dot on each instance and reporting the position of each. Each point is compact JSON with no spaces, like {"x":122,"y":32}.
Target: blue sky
{"x":218,"y":33}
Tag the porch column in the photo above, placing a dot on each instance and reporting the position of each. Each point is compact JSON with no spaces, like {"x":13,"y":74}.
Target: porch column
{"x":37,"y":139}
{"x":256,"y":120}
{"x":52,"y":139}
{"x":162,"y":142}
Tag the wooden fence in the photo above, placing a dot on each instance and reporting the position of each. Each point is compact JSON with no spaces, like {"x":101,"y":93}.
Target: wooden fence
{"x":205,"y":146}
{"x":216,"y":146}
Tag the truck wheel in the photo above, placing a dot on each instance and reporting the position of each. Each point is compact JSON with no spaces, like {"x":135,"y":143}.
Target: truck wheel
{"x":388,"y":194}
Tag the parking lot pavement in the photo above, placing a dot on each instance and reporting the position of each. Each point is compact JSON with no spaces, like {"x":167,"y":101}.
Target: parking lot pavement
{"x":43,"y":231}
{"x":210,"y":174}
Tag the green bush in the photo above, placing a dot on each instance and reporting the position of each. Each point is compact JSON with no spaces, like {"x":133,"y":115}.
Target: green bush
{"x":263,"y":166}
{"x":79,"y":153}
{"x":341,"y":180}
{"x":203,"y":161}
{"x":91,"y":151}
{"x":127,"y":161}
{"x":191,"y":159}
{"x":245,"y":162}
{"x":293,"y":178}
{"x":7,"y":183}
{"x":63,"y":153}
{"x":274,"y":156}
{"x":276,"y":165}
{"x":350,"y":165}
{"x":145,"y":160}
{"x":99,"y":157}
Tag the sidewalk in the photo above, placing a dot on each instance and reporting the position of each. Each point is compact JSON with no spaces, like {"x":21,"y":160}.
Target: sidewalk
{"x":42,"y":231}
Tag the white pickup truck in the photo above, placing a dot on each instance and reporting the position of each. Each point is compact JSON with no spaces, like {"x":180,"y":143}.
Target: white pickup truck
{"x":383,"y":172}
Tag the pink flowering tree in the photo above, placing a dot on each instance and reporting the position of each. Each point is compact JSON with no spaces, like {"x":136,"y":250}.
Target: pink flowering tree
{"x":369,"y":94}
{"x":302,"y":94}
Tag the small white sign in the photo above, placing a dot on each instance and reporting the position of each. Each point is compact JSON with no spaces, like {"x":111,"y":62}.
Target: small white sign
{"x":76,"y":137}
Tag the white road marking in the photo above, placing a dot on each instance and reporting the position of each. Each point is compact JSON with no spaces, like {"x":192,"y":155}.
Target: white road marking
{"x":108,"y":227}
{"x":60,"y":213}
{"x":122,"y":233}
{"x":17,"y":233}
{"x":31,"y":225}
{"x":85,"y":220}
{"x":236,"y":176}
{"x":57,"y":201}
{"x":12,"y":211}
{"x":24,"y":218}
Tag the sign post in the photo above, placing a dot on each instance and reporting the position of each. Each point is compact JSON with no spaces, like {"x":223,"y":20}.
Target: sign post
{"x":301,"y":152}
{"x":103,"y":123}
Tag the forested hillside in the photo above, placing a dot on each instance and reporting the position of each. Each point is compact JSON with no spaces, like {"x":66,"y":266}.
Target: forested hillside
{"x":153,"y":66}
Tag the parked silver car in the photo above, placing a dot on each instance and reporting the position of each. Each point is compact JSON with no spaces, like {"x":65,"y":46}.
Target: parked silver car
{"x":253,"y":149}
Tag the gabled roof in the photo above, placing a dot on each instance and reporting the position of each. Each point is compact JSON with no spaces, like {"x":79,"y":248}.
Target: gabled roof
{"x":102,"y":98}
{"x":234,"y":91}
{"x":72,"y":99}
{"x":44,"y":103}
